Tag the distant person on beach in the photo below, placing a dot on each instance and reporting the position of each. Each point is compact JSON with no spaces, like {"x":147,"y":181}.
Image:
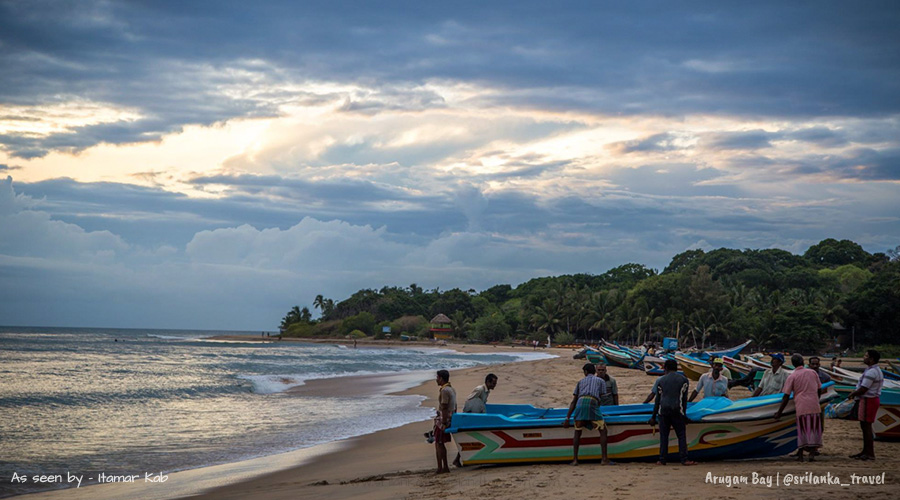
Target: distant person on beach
{"x":445,"y":410}
{"x":805,"y":385}
{"x":814,"y":364}
{"x":713,"y":383}
{"x":669,"y":410}
{"x":868,"y":391}
{"x":477,"y":401}
{"x":586,"y":408}
{"x":835,"y":362}
{"x":611,"y":396}
{"x":773,"y":378}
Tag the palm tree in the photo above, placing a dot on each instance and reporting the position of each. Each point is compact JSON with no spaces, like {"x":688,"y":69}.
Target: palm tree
{"x":460,"y":324}
{"x":546,"y":317}
{"x":319,"y":302}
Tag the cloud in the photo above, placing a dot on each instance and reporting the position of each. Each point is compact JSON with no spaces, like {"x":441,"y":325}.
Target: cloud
{"x":178,"y":66}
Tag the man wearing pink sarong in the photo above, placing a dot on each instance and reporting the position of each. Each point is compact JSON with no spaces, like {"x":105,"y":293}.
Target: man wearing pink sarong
{"x":805,"y":385}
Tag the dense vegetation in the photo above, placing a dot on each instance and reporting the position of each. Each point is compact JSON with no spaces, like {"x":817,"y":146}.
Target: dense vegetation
{"x":778,"y":299}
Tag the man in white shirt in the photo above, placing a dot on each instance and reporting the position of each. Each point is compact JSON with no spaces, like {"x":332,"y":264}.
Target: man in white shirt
{"x":773,"y":378}
{"x":868,"y":390}
{"x":713,"y":383}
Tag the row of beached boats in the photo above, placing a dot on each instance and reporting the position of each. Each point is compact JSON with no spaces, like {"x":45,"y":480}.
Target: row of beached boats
{"x":718,"y":428}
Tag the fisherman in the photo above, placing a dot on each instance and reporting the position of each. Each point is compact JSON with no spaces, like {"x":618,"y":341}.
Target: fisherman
{"x":815,"y":364}
{"x":805,"y":385}
{"x":445,"y":410}
{"x":586,"y":407}
{"x":713,"y":383}
{"x":773,"y":378}
{"x":670,"y":410}
{"x":868,"y":390}
{"x":477,"y":402}
{"x":611,"y":396}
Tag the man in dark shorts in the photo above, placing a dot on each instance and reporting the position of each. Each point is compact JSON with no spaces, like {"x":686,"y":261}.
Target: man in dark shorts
{"x":670,"y":409}
{"x":445,"y":410}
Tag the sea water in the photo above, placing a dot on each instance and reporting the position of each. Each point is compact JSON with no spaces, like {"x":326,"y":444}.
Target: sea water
{"x":124,"y":402}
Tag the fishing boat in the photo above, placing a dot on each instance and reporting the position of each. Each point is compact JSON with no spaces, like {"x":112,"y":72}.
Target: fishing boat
{"x":692,"y":367}
{"x":654,"y":365}
{"x":718,"y":429}
{"x":615,"y":357}
{"x":731,"y":352}
{"x":849,"y":377}
{"x":887,"y":420}
{"x":738,"y":366}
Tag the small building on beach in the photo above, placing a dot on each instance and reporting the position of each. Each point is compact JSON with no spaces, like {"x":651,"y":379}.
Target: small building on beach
{"x":440,"y":327}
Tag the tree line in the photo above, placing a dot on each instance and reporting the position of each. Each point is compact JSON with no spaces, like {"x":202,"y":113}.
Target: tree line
{"x":778,"y":299}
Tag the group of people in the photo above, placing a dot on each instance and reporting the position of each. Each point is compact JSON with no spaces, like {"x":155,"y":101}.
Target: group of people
{"x":670,"y":392}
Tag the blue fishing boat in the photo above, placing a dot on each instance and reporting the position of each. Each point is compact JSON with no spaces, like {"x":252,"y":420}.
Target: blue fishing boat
{"x":718,"y":429}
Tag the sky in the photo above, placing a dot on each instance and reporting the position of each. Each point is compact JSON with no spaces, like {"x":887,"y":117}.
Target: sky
{"x":210,"y":164}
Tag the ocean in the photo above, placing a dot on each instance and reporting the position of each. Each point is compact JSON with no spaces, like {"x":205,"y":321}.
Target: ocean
{"x":123,"y":402}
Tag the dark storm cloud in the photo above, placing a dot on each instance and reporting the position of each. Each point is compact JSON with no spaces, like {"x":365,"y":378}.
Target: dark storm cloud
{"x":170,"y":60}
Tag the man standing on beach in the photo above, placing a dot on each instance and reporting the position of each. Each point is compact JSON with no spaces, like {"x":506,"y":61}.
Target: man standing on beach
{"x":713,"y":383}
{"x":611,"y":396}
{"x":670,"y":410}
{"x":477,"y":401}
{"x":586,"y":407}
{"x":805,"y":385}
{"x":868,"y":390}
{"x":814,"y":364}
{"x":773,"y":378}
{"x":446,"y":409}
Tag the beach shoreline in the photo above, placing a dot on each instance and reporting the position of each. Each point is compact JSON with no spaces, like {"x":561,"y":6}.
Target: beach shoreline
{"x":399,"y":463}
{"x":193,"y":481}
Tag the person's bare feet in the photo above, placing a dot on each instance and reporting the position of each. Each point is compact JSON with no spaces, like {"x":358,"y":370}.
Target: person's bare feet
{"x":660,"y":463}
{"x":574,"y":462}
{"x":688,"y":462}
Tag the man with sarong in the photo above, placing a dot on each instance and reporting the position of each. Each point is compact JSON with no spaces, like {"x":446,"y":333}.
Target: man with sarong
{"x":868,"y":390}
{"x":586,"y":409}
{"x":445,"y":410}
{"x":805,"y":385}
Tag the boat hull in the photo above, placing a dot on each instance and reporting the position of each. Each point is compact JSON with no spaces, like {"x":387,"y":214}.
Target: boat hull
{"x":718,"y":429}
{"x":629,"y":442}
{"x":887,"y":420}
{"x":692,"y":368}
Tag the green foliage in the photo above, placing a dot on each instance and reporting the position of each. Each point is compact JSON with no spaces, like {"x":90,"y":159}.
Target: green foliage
{"x":848,"y":278}
{"x":721,"y":297}
{"x":302,"y":330}
{"x":357,"y":334}
{"x":833,"y":253}
{"x":490,"y":328}
{"x":801,"y":328}
{"x":364,"y":321}
{"x":564,"y":338}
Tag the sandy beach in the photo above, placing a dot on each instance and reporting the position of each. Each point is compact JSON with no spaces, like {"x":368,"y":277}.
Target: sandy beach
{"x":398,"y":463}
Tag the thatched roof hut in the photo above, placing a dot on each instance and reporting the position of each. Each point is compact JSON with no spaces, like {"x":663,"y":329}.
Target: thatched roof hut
{"x":440,"y":319}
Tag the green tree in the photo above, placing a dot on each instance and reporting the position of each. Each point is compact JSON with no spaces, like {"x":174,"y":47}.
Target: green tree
{"x":364,"y":322}
{"x":491,"y":328}
{"x":833,"y":253}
